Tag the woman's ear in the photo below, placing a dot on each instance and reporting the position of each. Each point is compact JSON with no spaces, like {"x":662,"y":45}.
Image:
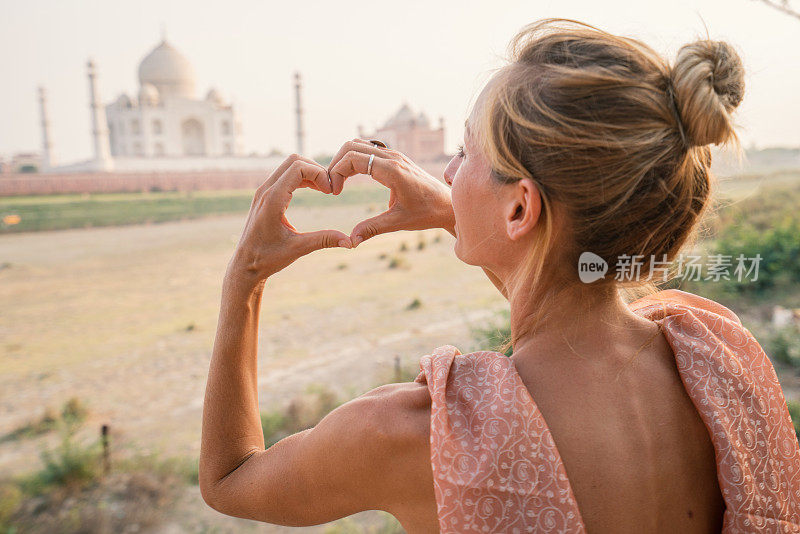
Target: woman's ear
{"x":523,"y":208}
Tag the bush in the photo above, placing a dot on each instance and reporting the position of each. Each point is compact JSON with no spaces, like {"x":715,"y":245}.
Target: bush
{"x":783,"y":345}
{"x":70,"y":465}
{"x":10,"y":499}
{"x":398,"y":262}
{"x":302,"y":412}
{"x":794,"y":412}
{"x":768,"y":225}
{"x":493,"y":336}
{"x":74,"y":411}
{"x":177,"y":468}
{"x":72,"y":414}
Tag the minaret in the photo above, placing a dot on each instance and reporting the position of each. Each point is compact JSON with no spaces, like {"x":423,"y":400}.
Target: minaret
{"x":299,"y":113}
{"x":102,"y":152}
{"x":47,"y":144}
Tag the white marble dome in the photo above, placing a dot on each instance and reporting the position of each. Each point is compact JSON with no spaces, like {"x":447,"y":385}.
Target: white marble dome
{"x":168,"y":71}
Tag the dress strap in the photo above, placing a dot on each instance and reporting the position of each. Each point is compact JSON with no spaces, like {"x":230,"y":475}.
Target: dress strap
{"x":495,"y":464}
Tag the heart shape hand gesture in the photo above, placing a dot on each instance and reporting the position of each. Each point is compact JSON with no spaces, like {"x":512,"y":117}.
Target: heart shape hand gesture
{"x":269,"y":242}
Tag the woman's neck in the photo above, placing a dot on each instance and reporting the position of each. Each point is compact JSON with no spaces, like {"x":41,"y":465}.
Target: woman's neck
{"x":574,"y":319}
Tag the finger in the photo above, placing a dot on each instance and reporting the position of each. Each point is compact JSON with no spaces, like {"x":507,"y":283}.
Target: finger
{"x":353,"y":146}
{"x":299,"y":174}
{"x":386,"y":222}
{"x":347,"y":147}
{"x":357,"y":162}
{"x":310,"y":241}
{"x":282,"y":168}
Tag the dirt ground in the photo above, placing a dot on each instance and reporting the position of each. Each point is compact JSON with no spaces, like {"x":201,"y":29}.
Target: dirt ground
{"x":125,"y":318}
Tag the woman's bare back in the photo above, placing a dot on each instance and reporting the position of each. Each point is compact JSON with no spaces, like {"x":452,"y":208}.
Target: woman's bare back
{"x":638,"y":456}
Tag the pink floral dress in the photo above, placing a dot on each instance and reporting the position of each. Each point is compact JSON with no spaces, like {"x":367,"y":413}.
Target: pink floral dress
{"x":496,"y":467}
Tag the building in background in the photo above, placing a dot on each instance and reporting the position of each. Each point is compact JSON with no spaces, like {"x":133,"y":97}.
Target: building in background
{"x":22,"y":162}
{"x":411,"y":133}
{"x":164,"y":127}
{"x":166,"y":118}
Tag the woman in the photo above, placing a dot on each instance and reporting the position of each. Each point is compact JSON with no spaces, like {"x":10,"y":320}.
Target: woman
{"x":660,"y":415}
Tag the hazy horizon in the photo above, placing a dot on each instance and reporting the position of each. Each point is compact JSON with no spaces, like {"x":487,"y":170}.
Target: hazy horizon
{"x":359,"y":62}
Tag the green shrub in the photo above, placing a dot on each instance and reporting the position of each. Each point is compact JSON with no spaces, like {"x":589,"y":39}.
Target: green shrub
{"x":68,"y":465}
{"x":302,"y":412}
{"x":10,"y":499}
{"x":492,"y":337}
{"x":181,"y":468}
{"x":398,"y":262}
{"x":72,"y":414}
{"x":414,"y":304}
{"x":272,"y":425}
{"x":783,"y":345}
{"x":767,"y":224}
{"x":778,"y":247}
{"x":74,"y":411}
{"x":794,"y":412}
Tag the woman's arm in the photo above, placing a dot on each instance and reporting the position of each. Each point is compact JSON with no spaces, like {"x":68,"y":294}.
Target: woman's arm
{"x":231,"y":418}
{"x":356,"y":458}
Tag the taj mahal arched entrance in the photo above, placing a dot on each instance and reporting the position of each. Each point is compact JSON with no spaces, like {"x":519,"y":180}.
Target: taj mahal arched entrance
{"x":194,"y":139}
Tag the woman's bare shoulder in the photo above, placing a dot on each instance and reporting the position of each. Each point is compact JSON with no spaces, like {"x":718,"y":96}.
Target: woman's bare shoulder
{"x":403,"y":408}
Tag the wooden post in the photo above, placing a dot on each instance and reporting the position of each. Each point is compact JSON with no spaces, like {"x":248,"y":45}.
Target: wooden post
{"x":104,"y":439}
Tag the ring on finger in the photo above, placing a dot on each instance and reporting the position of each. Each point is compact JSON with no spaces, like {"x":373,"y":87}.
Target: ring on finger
{"x":369,"y":165}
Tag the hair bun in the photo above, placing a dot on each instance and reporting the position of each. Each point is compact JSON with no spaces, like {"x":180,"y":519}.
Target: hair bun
{"x":708,"y":79}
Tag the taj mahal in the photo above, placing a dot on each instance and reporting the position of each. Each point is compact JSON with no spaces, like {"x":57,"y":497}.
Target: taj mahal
{"x":166,"y":119}
{"x":165,"y":126}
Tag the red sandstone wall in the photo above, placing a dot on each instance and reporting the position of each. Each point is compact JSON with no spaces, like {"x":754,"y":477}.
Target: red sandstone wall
{"x":43,"y":184}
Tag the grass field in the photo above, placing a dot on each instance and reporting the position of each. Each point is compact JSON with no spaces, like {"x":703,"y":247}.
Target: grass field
{"x":58,"y":212}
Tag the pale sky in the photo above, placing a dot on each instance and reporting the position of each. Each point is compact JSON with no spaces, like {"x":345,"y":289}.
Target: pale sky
{"x":360,"y":60}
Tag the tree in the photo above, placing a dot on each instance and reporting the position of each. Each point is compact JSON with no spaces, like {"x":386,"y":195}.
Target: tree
{"x":783,"y":6}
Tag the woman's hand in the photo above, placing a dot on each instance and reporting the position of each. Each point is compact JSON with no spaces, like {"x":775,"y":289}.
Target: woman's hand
{"x":269,"y":242}
{"x":417,"y":201}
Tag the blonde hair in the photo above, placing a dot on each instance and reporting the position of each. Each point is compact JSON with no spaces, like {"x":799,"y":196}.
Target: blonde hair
{"x":616,"y":142}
